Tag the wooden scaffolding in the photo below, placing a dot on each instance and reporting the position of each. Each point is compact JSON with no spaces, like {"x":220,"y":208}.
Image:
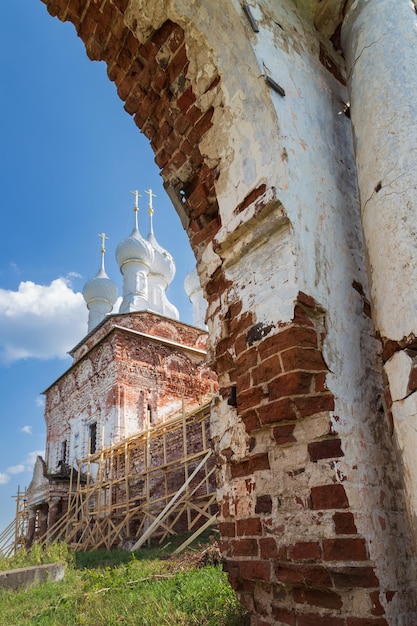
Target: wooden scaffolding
{"x":13,"y":538}
{"x":149,"y":486}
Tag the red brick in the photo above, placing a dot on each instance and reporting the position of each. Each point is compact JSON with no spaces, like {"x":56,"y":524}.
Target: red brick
{"x":240,"y":469}
{"x":268,"y":547}
{"x":181,"y":125}
{"x":301,"y":316}
{"x":288,"y":338}
{"x":245,"y":547}
{"x":283,"y":615}
{"x":249,"y":398}
{"x":314,"y":404}
{"x":177,"y":161}
{"x":283,"y":434}
{"x":267,"y":370}
{"x":344,"y":524}
{"x":346,"y":577}
{"x":304,"y":551}
{"x":249,"y":527}
{"x":313,"y":576}
{"x":321,"y":382}
{"x":313,"y":619}
{"x":163,"y":33}
{"x":329,"y":497}
{"x":247,"y":360}
{"x":315,"y":597}
{"x":193,"y":115}
{"x":240,"y":324}
{"x":259,"y":462}
{"x":251,"y":420}
{"x":205,"y":122}
{"x":299,"y":358}
{"x":306,"y":300}
{"x":227,"y":529}
{"x":364,"y":621}
{"x":263,"y":504}
{"x":255,"y":570}
{"x":344,"y":549}
{"x":326,"y":449}
{"x":277,"y":411}
{"x":291,"y":384}
{"x":225,"y":548}
{"x":377,"y":608}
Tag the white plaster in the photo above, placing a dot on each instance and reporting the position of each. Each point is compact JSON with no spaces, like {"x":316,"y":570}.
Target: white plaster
{"x":398,"y":369}
{"x":384,"y":110}
{"x":405,"y":427}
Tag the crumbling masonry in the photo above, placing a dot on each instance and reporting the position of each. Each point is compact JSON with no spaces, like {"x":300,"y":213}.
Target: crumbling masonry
{"x":286,"y":137}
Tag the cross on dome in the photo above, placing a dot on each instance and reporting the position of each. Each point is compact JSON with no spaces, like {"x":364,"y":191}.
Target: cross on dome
{"x":103,"y":237}
{"x":137,"y":196}
{"x":151,"y":195}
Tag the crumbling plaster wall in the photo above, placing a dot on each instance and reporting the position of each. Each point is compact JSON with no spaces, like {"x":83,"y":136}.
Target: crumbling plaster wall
{"x":312,"y":507}
{"x":152,"y":361}
{"x":383,"y":117}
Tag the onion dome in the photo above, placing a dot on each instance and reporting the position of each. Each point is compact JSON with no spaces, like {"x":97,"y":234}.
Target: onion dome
{"x":163,"y":263}
{"x":134,"y":247}
{"x":100,"y":293}
{"x":195,"y":293}
{"x":161,"y":273}
{"x":134,"y":256}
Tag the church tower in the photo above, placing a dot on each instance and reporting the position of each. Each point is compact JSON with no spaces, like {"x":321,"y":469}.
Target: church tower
{"x":100,"y":293}
{"x":134,"y":371}
{"x":134,"y":256}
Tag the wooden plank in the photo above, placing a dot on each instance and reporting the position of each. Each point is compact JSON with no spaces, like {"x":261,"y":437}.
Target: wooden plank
{"x":210,"y":522}
{"x":166,"y":510}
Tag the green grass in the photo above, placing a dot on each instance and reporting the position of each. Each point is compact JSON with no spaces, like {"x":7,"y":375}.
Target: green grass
{"x":103,"y":588}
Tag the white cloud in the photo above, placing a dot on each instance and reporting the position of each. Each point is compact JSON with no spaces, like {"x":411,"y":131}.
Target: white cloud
{"x":4,"y":478}
{"x":27,"y":430}
{"x":24,"y":466}
{"x":31,"y":458}
{"x":40,"y":321}
{"x":16,"y":469}
{"x":40,"y":401}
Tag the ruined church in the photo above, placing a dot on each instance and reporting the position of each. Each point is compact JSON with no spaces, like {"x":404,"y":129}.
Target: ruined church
{"x":286,"y":137}
{"x":135,"y":370}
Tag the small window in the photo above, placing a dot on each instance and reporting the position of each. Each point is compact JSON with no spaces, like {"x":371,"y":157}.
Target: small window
{"x":149,"y":415}
{"x":92,"y":435}
{"x":64,"y":451}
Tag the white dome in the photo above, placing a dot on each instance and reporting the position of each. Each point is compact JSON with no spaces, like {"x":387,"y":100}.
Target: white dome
{"x":163,"y":263}
{"x":134,"y":248}
{"x":192,"y":283}
{"x":195,"y":293}
{"x":100,"y":288}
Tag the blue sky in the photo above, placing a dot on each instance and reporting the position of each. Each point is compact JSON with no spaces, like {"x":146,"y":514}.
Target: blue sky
{"x":70,"y":157}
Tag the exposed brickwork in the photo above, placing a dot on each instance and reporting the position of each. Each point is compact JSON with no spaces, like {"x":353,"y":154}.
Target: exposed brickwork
{"x":151,"y":78}
{"x":288,"y":529}
{"x":119,"y":367}
{"x":280,"y":378}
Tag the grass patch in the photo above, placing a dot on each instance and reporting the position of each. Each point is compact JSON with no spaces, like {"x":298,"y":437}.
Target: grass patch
{"x":120,"y":588}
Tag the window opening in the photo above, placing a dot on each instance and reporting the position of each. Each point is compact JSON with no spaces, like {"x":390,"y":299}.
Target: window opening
{"x":64,"y":451}
{"x":93,"y":438}
{"x":149,"y":414}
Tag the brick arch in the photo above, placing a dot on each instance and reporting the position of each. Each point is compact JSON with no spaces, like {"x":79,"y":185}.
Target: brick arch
{"x":290,"y":537}
{"x":151,"y":79}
